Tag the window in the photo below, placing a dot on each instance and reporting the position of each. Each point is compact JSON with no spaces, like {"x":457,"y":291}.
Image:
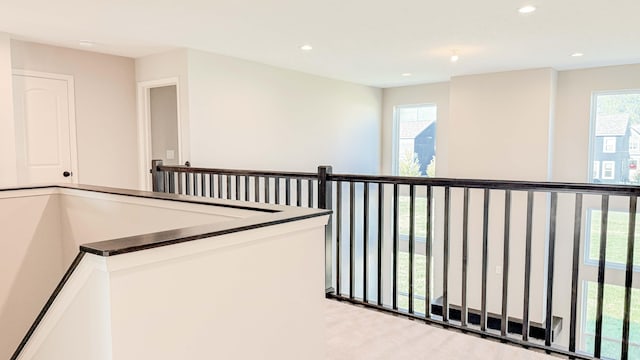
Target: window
{"x":609,"y":145}
{"x":615,"y":136}
{"x":414,"y":152}
{"x":608,"y":170}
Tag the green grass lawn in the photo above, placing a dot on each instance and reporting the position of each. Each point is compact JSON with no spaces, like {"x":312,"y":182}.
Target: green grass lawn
{"x":613,"y":296}
{"x":617,"y":228}
{"x":613,"y":308}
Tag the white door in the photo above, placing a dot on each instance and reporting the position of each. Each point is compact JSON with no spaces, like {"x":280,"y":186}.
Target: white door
{"x":45,"y":146}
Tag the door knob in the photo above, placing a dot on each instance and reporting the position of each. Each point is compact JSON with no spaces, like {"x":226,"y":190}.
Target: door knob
{"x":67,"y":174}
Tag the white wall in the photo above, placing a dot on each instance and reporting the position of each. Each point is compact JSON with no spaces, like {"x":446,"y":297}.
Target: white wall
{"x":31,"y":265}
{"x":437,"y":94}
{"x":248,"y":115}
{"x":8,"y":175}
{"x":105,"y":108}
{"x":500,"y":125}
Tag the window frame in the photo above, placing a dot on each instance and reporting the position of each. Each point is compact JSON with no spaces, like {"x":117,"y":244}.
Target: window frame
{"x":609,"y":140}
{"x":592,"y":124}
{"x":395,"y":141}
{"x":604,"y":169}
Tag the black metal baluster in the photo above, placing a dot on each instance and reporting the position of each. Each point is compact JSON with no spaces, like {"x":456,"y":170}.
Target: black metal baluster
{"x":228,"y":186}
{"x":211,"y":181}
{"x":310,"y":193}
{"x":287,"y":190}
{"x":298,"y":192}
{"x":504,"y":321}
{"x":445,"y":274}
{"x":180,"y":182}
{"x":172,"y":182}
{"x":412,"y":225}
{"x":427,"y":270}
{"x":203,"y":185}
{"x":527,"y":268}
{"x":396,"y":230}
{"x":577,"y":228}
{"x":628,"y":281}
{"x":338,"y":233}
{"x":601,"y":271}
{"x":256,"y":190}
{"x":550,"y":268}
{"x":380,"y":237}
{"x":267,"y":190}
{"x":238,"y":187}
{"x":465,"y":255}
{"x":277,"y":189}
{"x":365,"y":243}
{"x":167,"y":176}
{"x":187,"y":183}
{"x":485,"y":260}
{"x":352,"y":238}
{"x":247,"y":188}
{"x":220,"y":196}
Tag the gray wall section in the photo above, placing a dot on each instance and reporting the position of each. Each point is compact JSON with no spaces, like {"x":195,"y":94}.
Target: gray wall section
{"x":164,"y":123}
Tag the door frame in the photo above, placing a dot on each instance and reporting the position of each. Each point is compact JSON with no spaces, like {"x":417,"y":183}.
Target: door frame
{"x":144,"y":126}
{"x":71,"y":101}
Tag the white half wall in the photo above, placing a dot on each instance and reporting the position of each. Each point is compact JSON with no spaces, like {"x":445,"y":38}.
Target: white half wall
{"x":105,"y":108}
{"x":248,"y":115}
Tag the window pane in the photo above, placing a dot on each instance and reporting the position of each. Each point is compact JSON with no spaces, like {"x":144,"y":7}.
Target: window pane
{"x":615,"y":142}
{"x":617,"y":227}
{"x":612,"y":315}
{"x":415,"y":143}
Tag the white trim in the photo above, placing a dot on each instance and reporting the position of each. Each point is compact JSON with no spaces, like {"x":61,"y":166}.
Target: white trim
{"x":71,"y":94}
{"x":606,"y":142}
{"x":604,"y":165}
{"x":144,"y":127}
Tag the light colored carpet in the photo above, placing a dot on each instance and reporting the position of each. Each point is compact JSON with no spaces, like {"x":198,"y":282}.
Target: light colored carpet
{"x":356,"y":333}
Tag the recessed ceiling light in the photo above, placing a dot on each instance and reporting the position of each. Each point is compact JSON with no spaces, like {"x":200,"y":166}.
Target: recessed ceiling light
{"x":406,"y":74}
{"x":578,"y":54}
{"x":528,"y":9}
{"x":86,"y":43}
{"x":306,"y":47}
{"x":455,"y":58}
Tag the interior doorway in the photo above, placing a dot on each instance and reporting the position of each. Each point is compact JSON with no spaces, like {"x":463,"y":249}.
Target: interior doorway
{"x":159,"y":125}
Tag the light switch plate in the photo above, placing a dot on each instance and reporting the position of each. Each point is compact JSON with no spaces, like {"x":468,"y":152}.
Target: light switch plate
{"x":171,"y":154}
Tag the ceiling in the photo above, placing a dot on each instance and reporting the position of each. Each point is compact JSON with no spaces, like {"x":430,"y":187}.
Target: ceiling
{"x":369,"y":42}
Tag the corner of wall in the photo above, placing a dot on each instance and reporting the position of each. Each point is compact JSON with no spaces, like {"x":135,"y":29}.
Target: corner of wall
{"x":8,"y":176}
